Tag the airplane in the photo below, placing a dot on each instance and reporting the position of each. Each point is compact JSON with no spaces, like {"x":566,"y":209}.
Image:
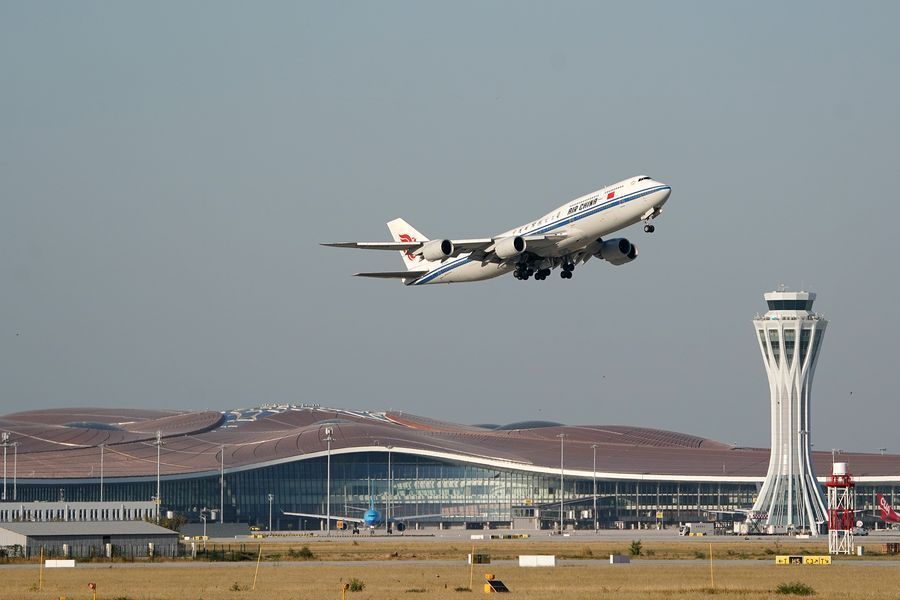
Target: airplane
{"x":888,"y":515}
{"x":372,"y":518}
{"x":564,"y":237}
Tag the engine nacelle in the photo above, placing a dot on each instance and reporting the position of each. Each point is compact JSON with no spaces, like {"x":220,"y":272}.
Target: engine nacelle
{"x":618,"y":251}
{"x":509,"y":247}
{"x":437,"y":250}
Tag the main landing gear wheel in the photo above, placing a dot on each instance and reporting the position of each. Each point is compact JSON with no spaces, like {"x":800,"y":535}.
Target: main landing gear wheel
{"x":566,"y":274}
{"x":649,"y":228}
{"x":542,"y":274}
{"x":523,"y":271}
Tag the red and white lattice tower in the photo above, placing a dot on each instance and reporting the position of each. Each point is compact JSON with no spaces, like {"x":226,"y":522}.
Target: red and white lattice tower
{"x":841,"y":513}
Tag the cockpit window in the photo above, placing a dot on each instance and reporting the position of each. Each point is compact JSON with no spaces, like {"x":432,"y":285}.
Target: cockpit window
{"x":643,"y":178}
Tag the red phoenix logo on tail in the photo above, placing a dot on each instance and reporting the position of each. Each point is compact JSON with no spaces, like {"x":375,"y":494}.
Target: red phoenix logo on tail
{"x":405,"y":237}
{"x":887,"y":513}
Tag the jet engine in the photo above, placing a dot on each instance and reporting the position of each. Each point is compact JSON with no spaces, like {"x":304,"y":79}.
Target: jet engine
{"x":437,"y":250}
{"x":618,"y":251}
{"x":509,"y":247}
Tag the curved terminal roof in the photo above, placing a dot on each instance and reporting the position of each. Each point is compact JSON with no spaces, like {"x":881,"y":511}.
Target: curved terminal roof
{"x":64,"y":444}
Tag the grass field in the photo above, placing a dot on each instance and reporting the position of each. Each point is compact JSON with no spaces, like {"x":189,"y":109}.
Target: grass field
{"x":386,"y":570}
{"x":405,"y":549}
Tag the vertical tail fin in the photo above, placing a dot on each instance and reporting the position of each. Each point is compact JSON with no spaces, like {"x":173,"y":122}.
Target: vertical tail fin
{"x":887,"y":512}
{"x":402,"y":231}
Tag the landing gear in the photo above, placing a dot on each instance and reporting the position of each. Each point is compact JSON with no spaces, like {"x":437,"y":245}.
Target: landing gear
{"x":541,"y":269}
{"x":523,"y":271}
{"x":648,"y":228}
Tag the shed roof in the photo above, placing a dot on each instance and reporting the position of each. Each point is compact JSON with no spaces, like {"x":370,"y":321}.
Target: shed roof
{"x":93,"y":528}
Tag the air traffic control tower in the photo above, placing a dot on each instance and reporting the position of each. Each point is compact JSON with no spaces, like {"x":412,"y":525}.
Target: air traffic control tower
{"x":790,"y":336}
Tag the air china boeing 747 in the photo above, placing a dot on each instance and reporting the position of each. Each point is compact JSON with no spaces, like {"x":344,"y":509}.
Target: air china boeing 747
{"x":564,"y":237}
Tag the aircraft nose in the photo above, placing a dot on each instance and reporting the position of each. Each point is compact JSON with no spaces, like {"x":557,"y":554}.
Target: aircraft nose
{"x":664,"y":194}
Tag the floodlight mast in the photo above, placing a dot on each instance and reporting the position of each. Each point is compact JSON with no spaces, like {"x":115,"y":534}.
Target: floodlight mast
{"x":562,"y":451}
{"x":328,"y":439}
{"x":101,"y":472}
{"x":222,"y":485}
{"x":594,"y":473}
{"x":390,"y":498}
{"x":158,"y":443}
{"x":15,"y":446}
{"x":4,"y":441}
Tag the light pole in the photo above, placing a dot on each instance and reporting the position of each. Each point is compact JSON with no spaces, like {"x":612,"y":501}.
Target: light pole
{"x":203,"y":518}
{"x":271,"y":498}
{"x":562,"y":451}
{"x":328,"y":438}
{"x":101,"y":472}
{"x":158,"y":443}
{"x":15,"y":469}
{"x":594,"y":448}
{"x":222,"y":485}
{"x":5,"y":443}
{"x":390,"y":498}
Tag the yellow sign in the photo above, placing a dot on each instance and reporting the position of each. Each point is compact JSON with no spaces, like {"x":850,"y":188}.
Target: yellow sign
{"x":802,"y":560}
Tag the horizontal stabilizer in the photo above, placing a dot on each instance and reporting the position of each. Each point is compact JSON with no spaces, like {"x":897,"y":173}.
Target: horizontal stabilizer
{"x":401,"y":246}
{"x":392,"y":274}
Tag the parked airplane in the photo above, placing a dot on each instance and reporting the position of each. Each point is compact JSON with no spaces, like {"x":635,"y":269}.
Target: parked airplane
{"x":888,"y":515}
{"x":372,"y":518}
{"x":564,"y":237}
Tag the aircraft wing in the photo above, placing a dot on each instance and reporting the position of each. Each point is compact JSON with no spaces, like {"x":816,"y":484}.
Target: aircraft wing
{"x":332,"y":517}
{"x":392,"y":274}
{"x":459,"y":246}
{"x":534,"y":244}
{"x":480,"y":249}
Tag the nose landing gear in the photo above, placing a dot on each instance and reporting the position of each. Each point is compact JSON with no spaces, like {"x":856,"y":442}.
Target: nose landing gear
{"x":648,"y":228}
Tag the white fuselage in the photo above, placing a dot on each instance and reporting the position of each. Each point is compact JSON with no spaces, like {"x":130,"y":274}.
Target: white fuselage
{"x":578,"y":223}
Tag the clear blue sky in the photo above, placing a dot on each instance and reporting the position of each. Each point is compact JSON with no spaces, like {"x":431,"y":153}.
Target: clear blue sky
{"x":168,"y":169}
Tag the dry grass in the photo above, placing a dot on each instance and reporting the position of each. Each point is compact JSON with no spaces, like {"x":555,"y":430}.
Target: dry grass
{"x":396,"y":580}
{"x":383,"y":567}
{"x":411,"y":549}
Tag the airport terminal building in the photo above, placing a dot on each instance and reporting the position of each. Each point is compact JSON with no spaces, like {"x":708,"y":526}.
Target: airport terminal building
{"x":246,"y":462}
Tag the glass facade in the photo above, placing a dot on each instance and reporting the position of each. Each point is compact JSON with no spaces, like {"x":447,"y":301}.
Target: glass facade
{"x":439,"y":491}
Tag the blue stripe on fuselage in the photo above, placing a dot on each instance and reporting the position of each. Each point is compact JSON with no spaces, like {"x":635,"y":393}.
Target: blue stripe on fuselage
{"x":549,"y":227}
